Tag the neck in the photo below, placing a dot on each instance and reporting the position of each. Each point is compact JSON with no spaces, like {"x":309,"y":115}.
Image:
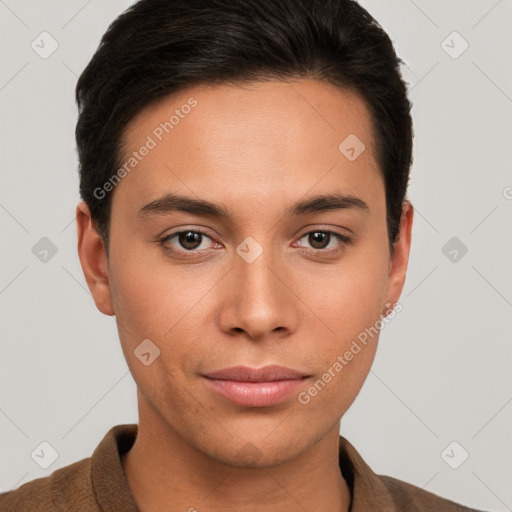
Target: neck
{"x":165,"y":472}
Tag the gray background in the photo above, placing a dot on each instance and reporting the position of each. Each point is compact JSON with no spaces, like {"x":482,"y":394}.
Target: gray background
{"x":442,"y":371}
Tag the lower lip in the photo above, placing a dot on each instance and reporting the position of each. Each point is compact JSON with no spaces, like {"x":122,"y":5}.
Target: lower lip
{"x":255,"y":394}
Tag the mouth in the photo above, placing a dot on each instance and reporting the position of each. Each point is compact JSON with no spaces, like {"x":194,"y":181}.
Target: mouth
{"x":261,"y":387}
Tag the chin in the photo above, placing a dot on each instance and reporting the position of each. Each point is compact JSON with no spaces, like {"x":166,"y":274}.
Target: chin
{"x":257,"y":451}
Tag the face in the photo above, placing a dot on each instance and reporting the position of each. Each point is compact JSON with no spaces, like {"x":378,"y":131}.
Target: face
{"x":264,"y":283}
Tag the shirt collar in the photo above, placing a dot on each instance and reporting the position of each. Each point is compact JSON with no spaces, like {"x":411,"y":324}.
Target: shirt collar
{"x":367,"y":489}
{"x":108,"y":479}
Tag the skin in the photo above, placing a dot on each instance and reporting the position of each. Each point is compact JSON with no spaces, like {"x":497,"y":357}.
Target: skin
{"x":257,"y":149}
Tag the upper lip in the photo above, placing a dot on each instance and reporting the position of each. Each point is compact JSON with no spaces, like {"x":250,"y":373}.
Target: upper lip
{"x":266,"y":374}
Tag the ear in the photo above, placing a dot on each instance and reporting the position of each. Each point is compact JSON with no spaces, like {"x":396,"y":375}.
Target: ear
{"x":399,"y":258}
{"x":93,"y":258}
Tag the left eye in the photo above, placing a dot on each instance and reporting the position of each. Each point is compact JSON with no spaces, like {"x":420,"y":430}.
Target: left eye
{"x":319,"y":240}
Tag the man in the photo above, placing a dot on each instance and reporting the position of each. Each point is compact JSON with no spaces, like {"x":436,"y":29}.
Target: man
{"x":244,"y":168}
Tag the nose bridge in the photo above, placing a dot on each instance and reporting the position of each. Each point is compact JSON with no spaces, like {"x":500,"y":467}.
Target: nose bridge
{"x":259,"y":302}
{"x":254,"y":269}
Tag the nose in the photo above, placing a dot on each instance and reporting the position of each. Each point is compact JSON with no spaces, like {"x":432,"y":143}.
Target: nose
{"x":259,"y":299}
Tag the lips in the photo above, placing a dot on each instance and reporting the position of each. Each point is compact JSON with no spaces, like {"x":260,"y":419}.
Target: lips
{"x":266,"y":374}
{"x":250,"y":387}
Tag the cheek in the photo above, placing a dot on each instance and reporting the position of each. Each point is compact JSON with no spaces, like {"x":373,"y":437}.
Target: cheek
{"x":168,"y":305}
{"x":151,"y":299}
{"x":152,"y":303}
{"x":350,"y":305}
{"x":343,"y":355}
{"x":351,"y":296}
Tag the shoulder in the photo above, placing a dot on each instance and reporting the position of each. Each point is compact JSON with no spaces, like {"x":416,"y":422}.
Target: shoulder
{"x":69,"y":486}
{"x":410,"y":498}
{"x":371,"y":491}
{"x":83,"y":485}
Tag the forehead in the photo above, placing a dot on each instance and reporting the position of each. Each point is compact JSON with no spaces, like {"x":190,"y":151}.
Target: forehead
{"x":255,"y":142}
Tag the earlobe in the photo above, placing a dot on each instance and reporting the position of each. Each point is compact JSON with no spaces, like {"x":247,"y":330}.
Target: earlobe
{"x":93,"y":258}
{"x":400,"y":257}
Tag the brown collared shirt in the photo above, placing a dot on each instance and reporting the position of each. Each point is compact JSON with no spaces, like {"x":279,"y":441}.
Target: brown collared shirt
{"x":98,"y":484}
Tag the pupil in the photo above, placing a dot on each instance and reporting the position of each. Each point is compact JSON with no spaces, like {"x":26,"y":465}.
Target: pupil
{"x":189,"y":239}
{"x":319,"y":237}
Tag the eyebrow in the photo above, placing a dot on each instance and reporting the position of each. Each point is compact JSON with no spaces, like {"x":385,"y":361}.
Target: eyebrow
{"x":175,"y":202}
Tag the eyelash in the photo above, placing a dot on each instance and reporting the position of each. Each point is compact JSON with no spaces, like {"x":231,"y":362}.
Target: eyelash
{"x":343,"y":240}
